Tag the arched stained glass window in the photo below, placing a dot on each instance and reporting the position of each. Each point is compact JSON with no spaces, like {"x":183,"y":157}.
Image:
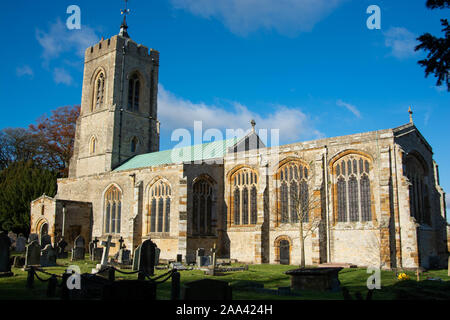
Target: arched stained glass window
{"x":245,"y":209}
{"x":113,"y":208}
{"x":159,"y":207}
{"x":293,"y":193}
{"x":353,"y":192}
{"x":99,"y":92}
{"x":202,"y":208}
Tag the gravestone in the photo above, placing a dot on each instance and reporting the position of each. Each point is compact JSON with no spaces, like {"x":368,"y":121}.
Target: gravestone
{"x":200,"y":252}
{"x":21,"y":243}
{"x":61,"y":249}
{"x":190,"y":258}
{"x":33,"y":237}
{"x":136,"y":257}
{"x":157,"y":254}
{"x":207,"y":289}
{"x":79,"y":250}
{"x":48,"y":256}
{"x":94,"y":250}
{"x":97,"y":254}
{"x":45,"y":240}
{"x":124,"y":256}
{"x":179,"y":258}
{"x":5,"y":265}
{"x":144,"y":259}
{"x":13,"y":237}
{"x":203,"y":261}
{"x":33,"y":254}
{"x":104,"y":261}
{"x":213,"y":256}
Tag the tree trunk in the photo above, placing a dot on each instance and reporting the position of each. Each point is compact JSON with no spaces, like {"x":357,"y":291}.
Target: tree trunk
{"x":302,"y":246}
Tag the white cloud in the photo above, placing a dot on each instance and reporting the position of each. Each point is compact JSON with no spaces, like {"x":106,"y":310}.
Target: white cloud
{"x":353,"y":109}
{"x":288,"y":17}
{"x":401,"y":41}
{"x":175,"y":112}
{"x":24,"y":71}
{"x":58,"y":39}
{"x":60,"y":75}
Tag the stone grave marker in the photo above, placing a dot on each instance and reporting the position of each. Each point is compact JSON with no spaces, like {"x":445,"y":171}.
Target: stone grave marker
{"x":95,"y":252}
{"x":19,"y":262}
{"x":136,"y":257}
{"x":61,"y":249}
{"x":45,"y":240}
{"x":107,"y":245}
{"x":157,"y":254}
{"x":79,"y":250}
{"x":33,"y":254}
{"x":48,"y":256}
{"x":124,"y":256}
{"x":179,"y":258}
{"x":203,"y":261}
{"x":21,"y":243}
{"x":147,"y":259}
{"x":190,"y":258}
{"x":5,"y":265}
{"x":207,"y":289}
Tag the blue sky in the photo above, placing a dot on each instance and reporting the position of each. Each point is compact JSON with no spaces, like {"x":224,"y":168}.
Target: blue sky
{"x":312,"y":65}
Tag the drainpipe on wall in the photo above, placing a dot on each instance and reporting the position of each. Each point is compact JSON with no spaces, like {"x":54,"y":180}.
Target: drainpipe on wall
{"x":325,"y":164}
{"x":64,"y":220}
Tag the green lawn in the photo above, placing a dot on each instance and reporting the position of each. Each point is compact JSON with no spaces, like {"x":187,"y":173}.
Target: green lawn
{"x":272,"y":276}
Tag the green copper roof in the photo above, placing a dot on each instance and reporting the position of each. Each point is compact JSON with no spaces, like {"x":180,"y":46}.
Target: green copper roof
{"x":210,"y":150}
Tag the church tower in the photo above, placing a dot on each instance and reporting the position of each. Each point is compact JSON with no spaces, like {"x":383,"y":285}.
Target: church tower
{"x":118,"y":117}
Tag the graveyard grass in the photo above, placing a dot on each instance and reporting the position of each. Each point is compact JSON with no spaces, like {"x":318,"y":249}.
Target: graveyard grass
{"x":272,"y":276}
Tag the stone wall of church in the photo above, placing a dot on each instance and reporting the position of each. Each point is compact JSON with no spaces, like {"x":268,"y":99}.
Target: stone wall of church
{"x":134,"y":186}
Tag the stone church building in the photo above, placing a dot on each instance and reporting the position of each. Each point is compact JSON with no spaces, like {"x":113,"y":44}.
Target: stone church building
{"x":377,"y":195}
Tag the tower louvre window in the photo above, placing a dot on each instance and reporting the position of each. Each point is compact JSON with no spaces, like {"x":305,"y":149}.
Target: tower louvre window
{"x":133,"y":93}
{"x":99,"y":92}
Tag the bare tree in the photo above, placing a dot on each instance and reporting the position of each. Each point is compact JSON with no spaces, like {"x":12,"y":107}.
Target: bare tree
{"x":302,"y":204}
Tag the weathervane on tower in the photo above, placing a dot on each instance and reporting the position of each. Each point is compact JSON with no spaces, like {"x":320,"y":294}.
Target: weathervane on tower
{"x":124,"y":27}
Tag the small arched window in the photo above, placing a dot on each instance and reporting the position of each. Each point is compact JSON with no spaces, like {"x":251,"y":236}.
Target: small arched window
{"x":99,"y":92}
{"x":134,"y":144}
{"x":160,"y":195}
{"x":113,"y":210}
{"x":93,"y":145}
{"x":133,"y":93}
{"x":245,"y":208}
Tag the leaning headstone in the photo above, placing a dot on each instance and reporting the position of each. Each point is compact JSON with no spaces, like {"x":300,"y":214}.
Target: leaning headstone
{"x":21,"y":243}
{"x":104,"y":262}
{"x":5,"y":265}
{"x":45,"y":240}
{"x":48,"y":256}
{"x":79,"y":250}
{"x":136,"y":258}
{"x":207,"y":289}
{"x":33,"y":254}
{"x":33,"y":237}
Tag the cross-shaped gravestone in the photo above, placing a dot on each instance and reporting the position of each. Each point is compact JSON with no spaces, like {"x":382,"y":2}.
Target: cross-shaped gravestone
{"x":95,"y":241}
{"x":121,"y":241}
{"x":107,"y":244}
